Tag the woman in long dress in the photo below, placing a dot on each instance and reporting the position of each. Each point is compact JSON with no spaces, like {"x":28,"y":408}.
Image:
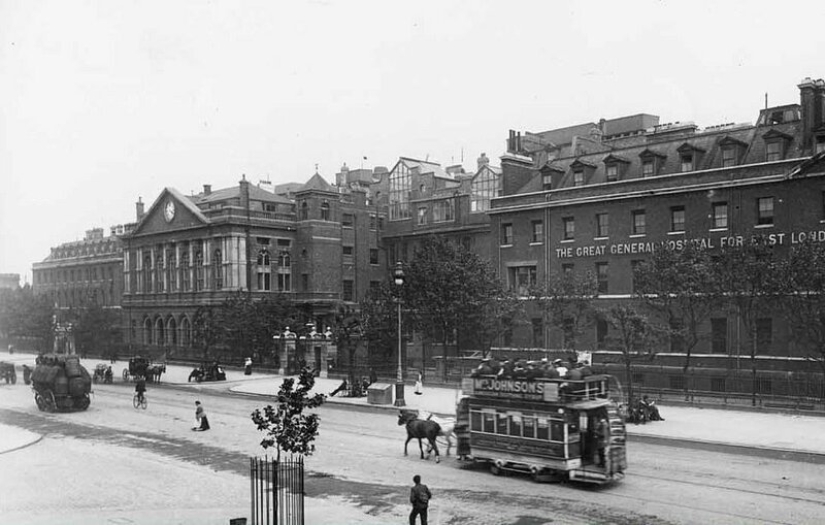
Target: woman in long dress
{"x":200,"y":416}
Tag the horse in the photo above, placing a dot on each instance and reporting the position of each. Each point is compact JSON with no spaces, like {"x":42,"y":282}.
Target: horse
{"x":154,"y":372}
{"x":417,"y":428}
{"x":447,"y":426}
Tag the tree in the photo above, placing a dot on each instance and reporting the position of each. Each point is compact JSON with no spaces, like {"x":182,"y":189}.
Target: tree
{"x":495,"y":318}
{"x":682,"y":287}
{"x":566,"y":300}
{"x":96,"y":329}
{"x":446,"y":286}
{"x":800,"y":281}
{"x":346,"y":332}
{"x":637,"y":338}
{"x":747,"y":277}
{"x":286,"y":426}
{"x":24,"y":314}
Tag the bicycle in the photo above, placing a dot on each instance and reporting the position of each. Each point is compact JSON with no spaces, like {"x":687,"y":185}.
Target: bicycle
{"x":139,"y":401}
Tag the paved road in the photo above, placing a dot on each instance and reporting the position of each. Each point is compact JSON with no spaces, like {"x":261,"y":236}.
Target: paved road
{"x":358,"y":474}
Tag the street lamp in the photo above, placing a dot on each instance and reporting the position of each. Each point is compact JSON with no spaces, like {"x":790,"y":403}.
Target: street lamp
{"x":398,"y":278}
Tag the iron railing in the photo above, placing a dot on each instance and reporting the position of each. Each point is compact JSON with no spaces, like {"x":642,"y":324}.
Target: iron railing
{"x":277,"y":491}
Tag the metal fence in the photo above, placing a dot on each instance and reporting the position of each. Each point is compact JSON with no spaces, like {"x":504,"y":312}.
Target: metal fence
{"x":277,"y":491}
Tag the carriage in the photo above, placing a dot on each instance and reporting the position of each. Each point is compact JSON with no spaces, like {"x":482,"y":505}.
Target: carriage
{"x":103,"y":374}
{"x":552,"y":429}
{"x":7,"y":372}
{"x":61,"y":383}
{"x":143,"y":367}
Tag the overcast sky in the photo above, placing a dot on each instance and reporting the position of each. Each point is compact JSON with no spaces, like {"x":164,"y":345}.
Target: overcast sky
{"x":105,"y":101}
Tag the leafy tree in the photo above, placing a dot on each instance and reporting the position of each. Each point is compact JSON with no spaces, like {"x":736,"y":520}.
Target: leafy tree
{"x":446,"y":286}
{"x":682,"y":287}
{"x":495,"y":318}
{"x":379,"y":323}
{"x":24,"y":314}
{"x":747,"y":276}
{"x":346,"y":334}
{"x":637,"y":337}
{"x":566,"y":300}
{"x":800,"y":281}
{"x":96,"y":329}
{"x":286,"y":426}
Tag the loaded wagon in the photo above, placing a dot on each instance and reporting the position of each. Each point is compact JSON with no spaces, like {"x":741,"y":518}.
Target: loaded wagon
{"x":61,"y":383}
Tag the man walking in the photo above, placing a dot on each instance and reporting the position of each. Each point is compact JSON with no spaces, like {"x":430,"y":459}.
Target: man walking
{"x":420,"y":497}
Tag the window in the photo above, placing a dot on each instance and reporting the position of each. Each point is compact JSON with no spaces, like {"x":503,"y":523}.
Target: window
{"x":199,"y":275}
{"x":764,"y":335}
{"x":171,"y":270}
{"x":538,"y":232}
{"x":373,"y":222}
{"x":648,"y":168}
{"x":612,"y":172}
{"x":347,"y":220}
{"x":217,"y":270}
{"x":717,"y":384}
{"x":720,"y":215}
{"x":635,"y":265}
{"x":264,"y":270}
{"x":762,"y":385}
{"x":602,"y":221}
{"x":444,"y":210}
{"x":729,"y":156}
{"x":569,"y":228}
{"x":639,"y":224}
{"x":601,"y":276}
{"x":567,"y":269}
{"x":325,"y":214}
{"x":400,"y":187}
{"x":686,"y":162}
{"x":506,"y":234}
{"x":774,"y":151}
{"x":348,"y":291}
{"x":305,"y":281}
{"x":522,"y":278}
{"x":538,"y":332}
{"x":601,"y":333}
{"x":373,"y":255}
{"x":147,"y":274}
{"x":184,"y":271}
{"x":819,"y":147}
{"x":578,"y":178}
{"x":304,"y":211}
{"x":719,"y":335}
{"x":485,"y":186}
{"x":158,"y":271}
{"x":348,"y":250}
{"x":764,"y":211}
{"x":422,"y":215}
{"x":677,"y":219}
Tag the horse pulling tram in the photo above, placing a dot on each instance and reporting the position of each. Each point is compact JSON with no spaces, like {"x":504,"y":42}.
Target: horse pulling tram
{"x":551,"y":429}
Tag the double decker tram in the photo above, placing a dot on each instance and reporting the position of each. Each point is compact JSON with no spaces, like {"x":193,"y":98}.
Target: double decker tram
{"x":551,"y":429}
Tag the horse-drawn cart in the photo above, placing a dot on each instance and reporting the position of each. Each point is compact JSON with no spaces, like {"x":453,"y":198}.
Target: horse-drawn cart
{"x":142,"y":367}
{"x":103,"y":374}
{"x":61,"y":383}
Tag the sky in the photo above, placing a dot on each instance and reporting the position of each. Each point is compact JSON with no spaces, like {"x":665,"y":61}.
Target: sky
{"x":103,"y":102}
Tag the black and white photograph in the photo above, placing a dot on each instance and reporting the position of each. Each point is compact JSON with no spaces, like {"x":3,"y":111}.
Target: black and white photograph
{"x":445,"y":262}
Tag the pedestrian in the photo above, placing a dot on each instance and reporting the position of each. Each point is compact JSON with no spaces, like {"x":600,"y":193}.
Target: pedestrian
{"x":248,"y":366}
{"x":373,"y":376}
{"x":420,"y":497}
{"x":419,"y":385}
{"x":602,"y":437}
{"x":11,"y":348}
{"x":200,"y":417}
{"x":27,"y":374}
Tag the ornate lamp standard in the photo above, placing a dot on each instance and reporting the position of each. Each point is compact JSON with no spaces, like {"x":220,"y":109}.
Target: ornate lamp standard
{"x":398,"y":278}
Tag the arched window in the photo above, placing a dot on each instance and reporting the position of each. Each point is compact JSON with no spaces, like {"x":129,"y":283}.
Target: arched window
{"x":264,"y":271}
{"x":159,"y":270}
{"x":147,"y":331}
{"x":325,"y":211}
{"x":160,"y":333}
{"x":172,"y":332}
{"x":217,"y":269}
{"x":185,"y":332}
{"x":304,"y":211}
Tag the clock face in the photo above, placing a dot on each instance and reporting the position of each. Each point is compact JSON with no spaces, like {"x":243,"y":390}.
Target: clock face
{"x":169,"y":211}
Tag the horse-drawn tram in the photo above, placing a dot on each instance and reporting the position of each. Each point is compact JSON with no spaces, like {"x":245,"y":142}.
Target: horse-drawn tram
{"x":552,"y":429}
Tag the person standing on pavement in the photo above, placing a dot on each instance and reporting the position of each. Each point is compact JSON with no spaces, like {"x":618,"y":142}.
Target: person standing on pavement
{"x":248,"y":366}
{"x":200,"y":416}
{"x":420,"y":497}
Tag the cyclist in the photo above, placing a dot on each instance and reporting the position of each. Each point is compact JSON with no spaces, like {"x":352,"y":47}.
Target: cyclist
{"x":140,"y":387}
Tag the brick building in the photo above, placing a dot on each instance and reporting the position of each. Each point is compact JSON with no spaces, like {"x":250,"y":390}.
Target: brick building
{"x":600,"y":197}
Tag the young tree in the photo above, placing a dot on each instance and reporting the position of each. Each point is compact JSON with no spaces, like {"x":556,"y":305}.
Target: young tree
{"x":637,"y":338}
{"x":566,"y":300}
{"x":681,"y":287}
{"x":286,"y":426}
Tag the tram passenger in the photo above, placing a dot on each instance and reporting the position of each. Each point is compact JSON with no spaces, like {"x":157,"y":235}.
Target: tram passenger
{"x":507,"y":368}
{"x":483,"y":369}
{"x":602,"y":437}
{"x":585,"y":369}
{"x":560,"y":368}
{"x":520,"y":370}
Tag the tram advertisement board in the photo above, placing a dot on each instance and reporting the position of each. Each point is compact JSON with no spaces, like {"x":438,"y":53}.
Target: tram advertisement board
{"x":516,"y":389}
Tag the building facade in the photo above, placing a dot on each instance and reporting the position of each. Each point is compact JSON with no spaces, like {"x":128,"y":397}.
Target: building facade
{"x":601,"y":197}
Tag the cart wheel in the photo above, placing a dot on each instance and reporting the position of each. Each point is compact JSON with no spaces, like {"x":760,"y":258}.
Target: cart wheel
{"x":496,"y":469}
{"x":125,"y":374}
{"x":51,"y":403}
{"x":41,"y":404}
{"x":83,"y":402}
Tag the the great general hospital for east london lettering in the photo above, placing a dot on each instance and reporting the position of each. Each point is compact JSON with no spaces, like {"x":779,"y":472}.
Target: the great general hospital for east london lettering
{"x":709,"y":243}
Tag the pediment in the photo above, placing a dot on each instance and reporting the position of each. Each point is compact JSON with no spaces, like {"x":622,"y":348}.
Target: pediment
{"x":687,"y":148}
{"x":171,"y":211}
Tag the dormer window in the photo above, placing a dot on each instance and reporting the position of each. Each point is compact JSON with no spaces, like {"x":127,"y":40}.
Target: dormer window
{"x":732,"y":151}
{"x":615,"y":167}
{"x":689,"y":157}
{"x":776,"y":145}
{"x":551,"y":176}
{"x":651,"y":162}
{"x":582,"y":171}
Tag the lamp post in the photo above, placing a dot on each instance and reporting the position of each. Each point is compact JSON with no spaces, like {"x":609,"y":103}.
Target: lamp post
{"x":398,"y":278}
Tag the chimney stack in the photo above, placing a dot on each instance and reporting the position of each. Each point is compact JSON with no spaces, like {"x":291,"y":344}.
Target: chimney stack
{"x":482,"y":161}
{"x":207,"y":189}
{"x":244,"y":192}
{"x":139,"y":211}
{"x":812,"y":100}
